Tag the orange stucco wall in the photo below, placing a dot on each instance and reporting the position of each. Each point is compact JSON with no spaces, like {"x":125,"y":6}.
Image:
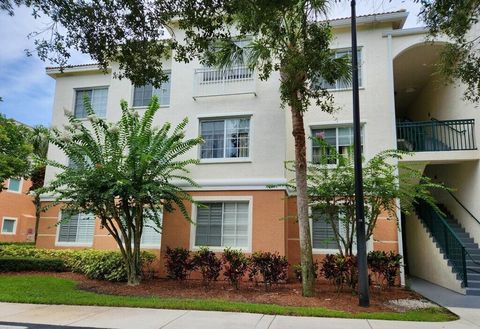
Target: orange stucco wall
{"x":268,"y":225}
{"x":18,"y":206}
{"x":274,"y":227}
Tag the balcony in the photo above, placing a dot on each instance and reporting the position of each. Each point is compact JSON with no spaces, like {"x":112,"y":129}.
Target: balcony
{"x":211,"y":82}
{"x":433,"y":141}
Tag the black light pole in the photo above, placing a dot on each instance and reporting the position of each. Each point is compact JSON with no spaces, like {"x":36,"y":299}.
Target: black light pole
{"x":363,"y":296}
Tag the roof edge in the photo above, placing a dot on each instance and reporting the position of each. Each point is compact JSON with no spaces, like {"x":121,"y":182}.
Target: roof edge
{"x":394,"y":16}
{"x":58,"y":70}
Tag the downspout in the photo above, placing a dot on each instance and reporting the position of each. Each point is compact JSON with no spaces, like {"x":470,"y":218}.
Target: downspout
{"x":391,"y":88}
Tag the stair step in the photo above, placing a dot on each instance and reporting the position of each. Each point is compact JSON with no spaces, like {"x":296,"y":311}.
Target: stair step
{"x":473,"y":284}
{"x":473,"y":291}
{"x":473,"y":277}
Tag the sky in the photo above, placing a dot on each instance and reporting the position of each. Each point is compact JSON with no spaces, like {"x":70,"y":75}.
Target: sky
{"x":27,"y":91}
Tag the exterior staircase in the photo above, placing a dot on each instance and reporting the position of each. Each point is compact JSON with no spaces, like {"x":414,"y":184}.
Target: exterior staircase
{"x":456,"y":245}
{"x":473,"y":253}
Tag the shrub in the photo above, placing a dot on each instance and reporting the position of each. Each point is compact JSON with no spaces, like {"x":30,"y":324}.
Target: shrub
{"x":15,"y":264}
{"x":23,"y":244}
{"x":178,"y":263}
{"x":271,"y":267}
{"x":235,"y":266}
{"x":297,"y":270}
{"x":385,"y":266}
{"x":95,"y":264}
{"x":208,"y":264}
{"x":340,"y":270}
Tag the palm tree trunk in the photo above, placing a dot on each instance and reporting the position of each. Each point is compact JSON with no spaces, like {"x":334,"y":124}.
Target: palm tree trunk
{"x":38,"y":211}
{"x":308,"y":272}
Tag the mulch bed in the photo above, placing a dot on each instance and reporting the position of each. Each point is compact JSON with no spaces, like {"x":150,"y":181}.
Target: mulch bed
{"x":289,"y":294}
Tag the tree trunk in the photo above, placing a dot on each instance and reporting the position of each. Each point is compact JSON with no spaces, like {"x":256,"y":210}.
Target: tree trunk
{"x":38,"y":211}
{"x":308,"y":272}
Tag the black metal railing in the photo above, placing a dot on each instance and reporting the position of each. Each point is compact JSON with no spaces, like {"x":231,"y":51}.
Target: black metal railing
{"x":436,"y":135}
{"x":447,"y":239}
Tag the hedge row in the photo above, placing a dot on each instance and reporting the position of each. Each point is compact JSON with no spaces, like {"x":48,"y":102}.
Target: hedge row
{"x":94,"y":264}
{"x":16,"y":264}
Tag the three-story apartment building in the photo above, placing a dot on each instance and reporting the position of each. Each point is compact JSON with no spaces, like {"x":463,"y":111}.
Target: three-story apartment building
{"x":248,"y":140}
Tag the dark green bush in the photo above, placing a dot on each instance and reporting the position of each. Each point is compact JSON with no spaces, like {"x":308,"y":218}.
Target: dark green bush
{"x":270,"y":267}
{"x":95,"y":264}
{"x":208,"y":264}
{"x":235,"y":266}
{"x":23,"y":244}
{"x":384,"y":266}
{"x":178,"y":263}
{"x":297,"y":271}
{"x":340,"y":270}
{"x":16,"y":264}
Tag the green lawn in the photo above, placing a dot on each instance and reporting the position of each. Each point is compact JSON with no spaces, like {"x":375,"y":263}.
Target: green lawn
{"x":50,"y":290}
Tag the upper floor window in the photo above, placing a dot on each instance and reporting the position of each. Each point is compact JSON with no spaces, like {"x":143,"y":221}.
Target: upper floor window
{"x":345,"y":83}
{"x":143,"y":94}
{"x":76,"y":228}
{"x":9,"y":225}
{"x":14,"y":185}
{"x":337,"y":141}
{"x":98,"y":100}
{"x":222,"y":224}
{"x":225,"y":138}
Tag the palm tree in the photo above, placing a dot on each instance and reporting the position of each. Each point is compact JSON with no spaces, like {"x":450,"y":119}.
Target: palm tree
{"x":290,"y":38}
{"x":39,"y":140}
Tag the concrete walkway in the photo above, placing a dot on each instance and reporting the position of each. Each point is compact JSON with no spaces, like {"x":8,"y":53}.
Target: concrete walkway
{"x":24,"y":315}
{"x":62,"y":316}
{"x":467,"y":307}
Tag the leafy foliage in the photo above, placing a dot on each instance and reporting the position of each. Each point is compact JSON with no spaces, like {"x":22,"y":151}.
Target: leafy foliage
{"x":235,"y":266}
{"x":126,"y":173}
{"x":178,"y":263}
{"x":95,"y":264}
{"x":208,"y":264}
{"x":15,"y":150}
{"x":385,"y":266}
{"x":340,"y":270}
{"x":16,"y":264}
{"x":331,"y":190}
{"x":297,"y":270}
{"x":269,"y":268}
{"x":459,"y":21}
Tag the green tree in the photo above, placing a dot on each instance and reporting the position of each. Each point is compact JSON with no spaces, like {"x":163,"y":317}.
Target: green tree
{"x":124,"y":173}
{"x":39,"y":141}
{"x":288,"y":37}
{"x":459,"y":21}
{"x":15,"y":150}
{"x":331,"y":191}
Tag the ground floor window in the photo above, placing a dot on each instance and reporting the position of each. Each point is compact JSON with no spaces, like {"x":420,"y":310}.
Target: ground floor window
{"x":222,"y":224}
{"x":151,"y":235}
{"x":9,"y":225}
{"x":323,"y":236}
{"x":76,"y":228}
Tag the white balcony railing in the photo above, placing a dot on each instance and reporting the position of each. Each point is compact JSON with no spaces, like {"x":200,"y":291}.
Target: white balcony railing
{"x":209,"y":82}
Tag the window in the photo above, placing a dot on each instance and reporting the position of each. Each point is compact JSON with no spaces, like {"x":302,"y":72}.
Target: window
{"x":98,"y":100}
{"x":15,"y":185}
{"x":323,"y":236}
{"x":76,"y":228}
{"x":338,"y":139}
{"x":143,"y":94}
{"x":225,"y":138}
{"x":150,"y":234}
{"x":222,"y":224}
{"x":9,"y":225}
{"x":345,"y":83}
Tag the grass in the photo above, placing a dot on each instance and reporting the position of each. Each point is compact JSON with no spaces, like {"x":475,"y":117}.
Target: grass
{"x":39,"y":289}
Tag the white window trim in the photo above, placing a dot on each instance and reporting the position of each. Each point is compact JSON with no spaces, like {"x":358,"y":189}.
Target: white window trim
{"x":214,"y":117}
{"x":139,"y":108}
{"x":14,"y":225}
{"x":88,"y":88}
{"x":362,"y":70}
{"x":20,"y":189}
{"x":232,"y":198}
{"x":334,"y":124}
{"x":71,"y":244}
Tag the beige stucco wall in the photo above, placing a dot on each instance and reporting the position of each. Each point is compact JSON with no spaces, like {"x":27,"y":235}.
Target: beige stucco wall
{"x":424,"y":258}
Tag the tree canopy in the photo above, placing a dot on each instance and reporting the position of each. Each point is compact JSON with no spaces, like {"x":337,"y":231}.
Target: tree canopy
{"x":124,"y":173}
{"x":15,"y":149}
